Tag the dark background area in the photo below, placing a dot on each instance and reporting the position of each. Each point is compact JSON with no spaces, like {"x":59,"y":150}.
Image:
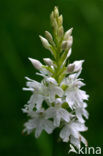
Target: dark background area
{"x":21,"y":22}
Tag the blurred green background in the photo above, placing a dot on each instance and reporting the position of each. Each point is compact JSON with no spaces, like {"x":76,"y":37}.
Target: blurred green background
{"x":20,"y":24}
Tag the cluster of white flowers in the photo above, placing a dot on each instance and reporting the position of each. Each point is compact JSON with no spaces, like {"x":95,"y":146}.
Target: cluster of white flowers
{"x":57,"y":101}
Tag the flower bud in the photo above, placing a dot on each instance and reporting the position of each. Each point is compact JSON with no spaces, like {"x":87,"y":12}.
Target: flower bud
{"x":60,"y":32}
{"x":49,"y":37}
{"x":68,"y":34}
{"x":78,"y":65}
{"x":48,"y":61}
{"x":66,"y":45}
{"x":75,"y":66}
{"x":60,"y":20}
{"x":56,"y":12}
{"x":36,"y":63}
{"x":70,"y":41}
{"x":52,"y":17}
{"x":70,"y":68}
{"x":55,"y":24}
{"x":45,"y":42}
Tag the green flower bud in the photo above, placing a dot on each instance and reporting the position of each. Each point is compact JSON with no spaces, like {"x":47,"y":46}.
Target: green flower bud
{"x":60,"y":20}
{"x":55,"y":24}
{"x":61,"y":32}
{"x":56,"y":12}
{"x":45,"y":43}
{"x":52,"y":17}
{"x":49,"y":37}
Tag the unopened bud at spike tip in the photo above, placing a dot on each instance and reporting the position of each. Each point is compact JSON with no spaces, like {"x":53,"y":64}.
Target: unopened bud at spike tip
{"x":52,"y":17}
{"x":56,"y":11}
{"x":60,"y":20}
{"x":37,"y":64}
{"x":45,"y":42}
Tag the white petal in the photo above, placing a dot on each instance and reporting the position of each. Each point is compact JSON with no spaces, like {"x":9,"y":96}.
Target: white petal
{"x":58,"y":101}
{"x":79,"y":126}
{"x":30,"y":125}
{"x":85,"y":113}
{"x":33,"y":84}
{"x":65,"y":134}
{"x":70,"y":100}
{"x":49,"y":127}
{"x":74,"y":132}
{"x":79,"y":116}
{"x":28,"y":89}
{"x":27,"y":78}
{"x":52,"y":80}
{"x":79,"y":84}
{"x":50,"y":112}
{"x":38,"y":130}
{"x":78,"y":65}
{"x":59,"y":91}
{"x":64,"y":114}
{"x":75,"y":142}
{"x":84,"y":140}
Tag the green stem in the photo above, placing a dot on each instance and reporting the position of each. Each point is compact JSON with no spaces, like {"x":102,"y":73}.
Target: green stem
{"x":54,"y":145}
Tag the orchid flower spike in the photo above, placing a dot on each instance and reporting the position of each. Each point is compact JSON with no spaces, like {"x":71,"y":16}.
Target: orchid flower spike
{"x":60,"y":89}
